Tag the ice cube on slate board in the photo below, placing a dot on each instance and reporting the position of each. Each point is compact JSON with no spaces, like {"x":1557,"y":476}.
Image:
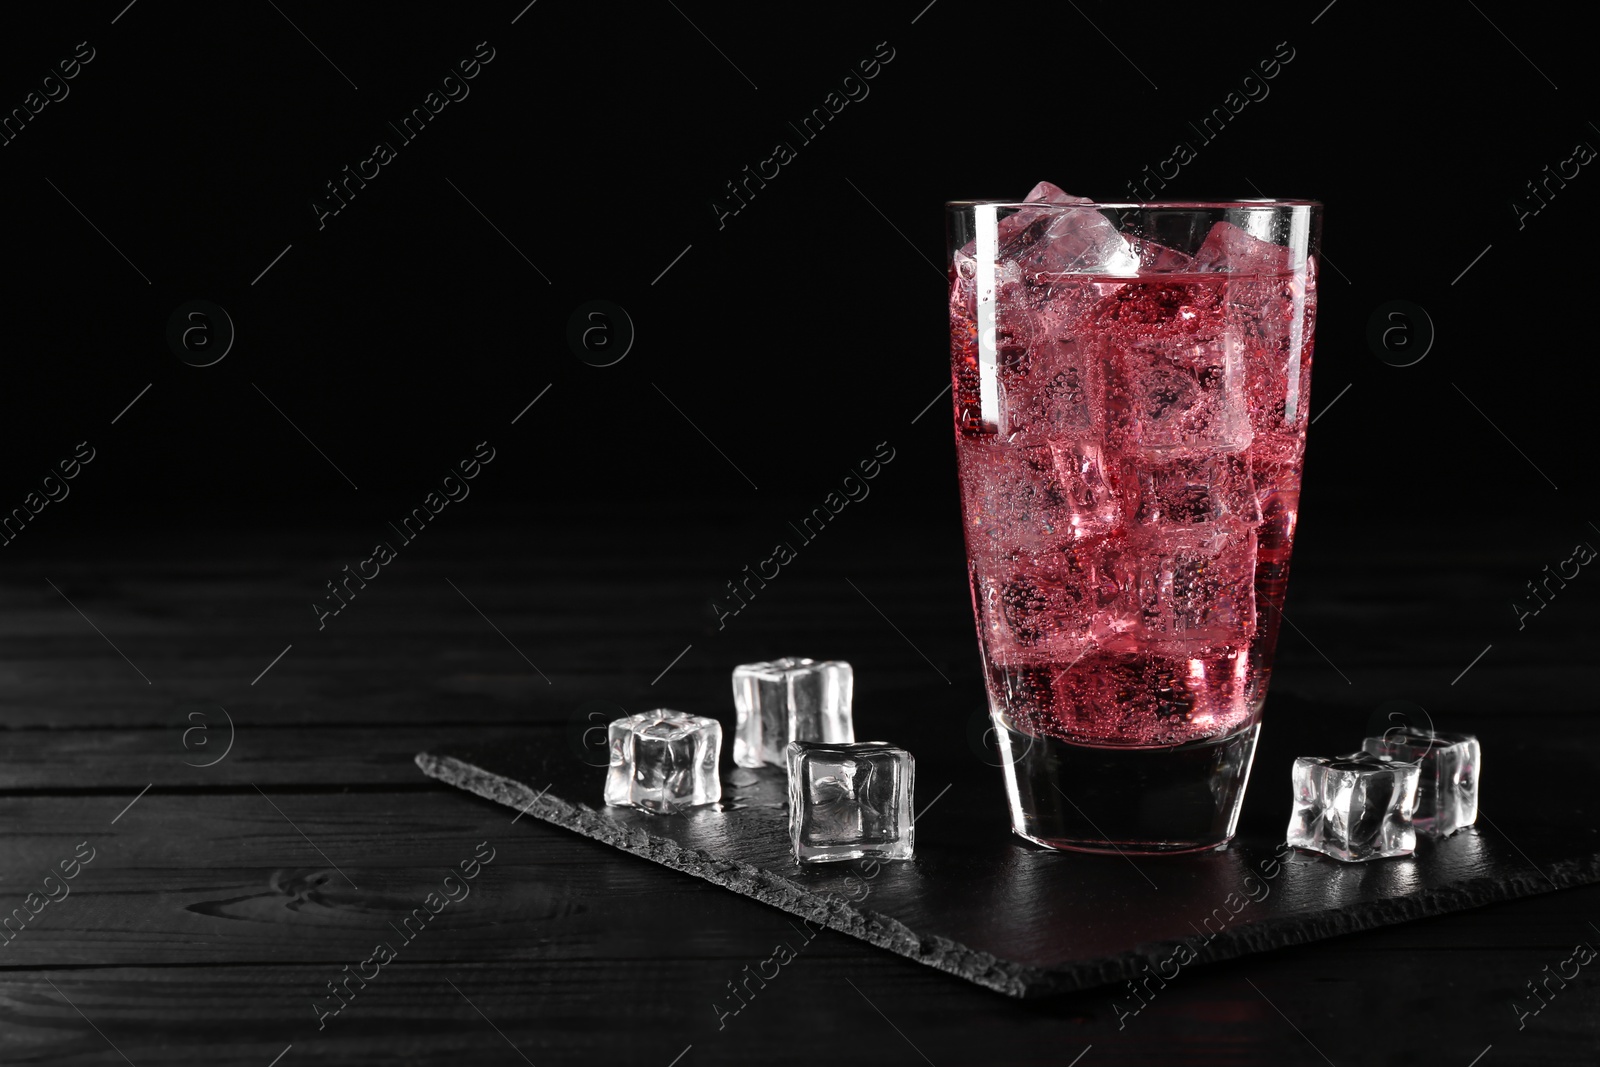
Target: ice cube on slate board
{"x":1447,"y":785}
{"x":850,"y":801}
{"x":789,"y":699}
{"x":1355,"y":807}
{"x":664,"y":761}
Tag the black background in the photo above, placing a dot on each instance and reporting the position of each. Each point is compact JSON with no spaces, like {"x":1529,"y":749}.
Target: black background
{"x":802,"y":331}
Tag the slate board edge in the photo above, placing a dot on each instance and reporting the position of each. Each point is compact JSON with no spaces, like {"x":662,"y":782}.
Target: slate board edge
{"x":1270,"y":935}
{"x":991,"y":972}
{"x":1012,"y":979}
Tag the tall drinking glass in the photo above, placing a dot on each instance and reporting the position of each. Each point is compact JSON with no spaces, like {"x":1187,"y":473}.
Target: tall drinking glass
{"x":1130,"y":385}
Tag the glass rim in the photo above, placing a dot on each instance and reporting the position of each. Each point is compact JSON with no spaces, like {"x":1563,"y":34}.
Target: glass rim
{"x":1138,"y":205}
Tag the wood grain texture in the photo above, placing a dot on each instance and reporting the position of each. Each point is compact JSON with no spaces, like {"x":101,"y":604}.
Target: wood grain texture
{"x":210,"y":919}
{"x":646,"y":1012}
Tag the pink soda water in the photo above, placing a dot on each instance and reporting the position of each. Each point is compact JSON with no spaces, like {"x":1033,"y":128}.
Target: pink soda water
{"x":1130,"y":429}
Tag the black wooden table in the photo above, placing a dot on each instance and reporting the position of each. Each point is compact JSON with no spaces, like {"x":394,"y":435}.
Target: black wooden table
{"x":219,"y":904}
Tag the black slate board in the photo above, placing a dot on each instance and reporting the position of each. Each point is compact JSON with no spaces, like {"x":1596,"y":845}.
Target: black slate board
{"x":982,"y":904}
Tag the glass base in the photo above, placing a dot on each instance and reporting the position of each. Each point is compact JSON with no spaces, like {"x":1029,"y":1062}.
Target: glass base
{"x":1140,"y":801}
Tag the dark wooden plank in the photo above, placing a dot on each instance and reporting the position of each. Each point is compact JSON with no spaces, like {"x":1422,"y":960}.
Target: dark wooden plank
{"x":602,"y":620}
{"x":219,"y":878}
{"x":865,"y":1006}
{"x":248,"y":829}
{"x":285,"y":756}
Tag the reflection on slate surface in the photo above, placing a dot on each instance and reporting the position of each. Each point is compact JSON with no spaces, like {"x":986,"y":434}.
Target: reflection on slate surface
{"x":979,"y":903}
